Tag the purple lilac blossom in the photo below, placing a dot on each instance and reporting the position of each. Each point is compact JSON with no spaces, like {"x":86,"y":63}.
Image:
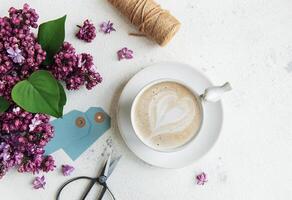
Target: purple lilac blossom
{"x":6,"y":84}
{"x":16,"y":110}
{"x":4,"y":148}
{"x":20,"y":54}
{"x":125,"y":53}
{"x":34,"y":123}
{"x":39,"y":182}
{"x":106,"y":27}
{"x":87,"y":31}
{"x":23,"y":135}
{"x":15,"y":55}
{"x":21,"y":147}
{"x":201,"y":178}
{"x":75,"y":69}
{"x":67,"y":170}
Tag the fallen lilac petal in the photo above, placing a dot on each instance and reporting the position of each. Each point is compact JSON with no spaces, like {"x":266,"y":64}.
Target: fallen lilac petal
{"x":39,"y":182}
{"x":201,"y":178}
{"x":67,"y":170}
{"x":106,"y":27}
{"x":125,"y":53}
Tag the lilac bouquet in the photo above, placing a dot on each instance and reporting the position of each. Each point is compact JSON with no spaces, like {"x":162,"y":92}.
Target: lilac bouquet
{"x":25,"y":59}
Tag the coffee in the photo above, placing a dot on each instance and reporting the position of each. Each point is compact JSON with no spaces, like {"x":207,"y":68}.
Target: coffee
{"x":166,"y":115}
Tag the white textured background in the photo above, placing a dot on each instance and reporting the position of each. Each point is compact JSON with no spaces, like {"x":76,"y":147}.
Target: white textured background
{"x":247,"y":42}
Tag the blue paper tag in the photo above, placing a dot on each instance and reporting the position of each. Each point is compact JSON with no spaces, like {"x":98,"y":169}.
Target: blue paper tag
{"x":77,"y":131}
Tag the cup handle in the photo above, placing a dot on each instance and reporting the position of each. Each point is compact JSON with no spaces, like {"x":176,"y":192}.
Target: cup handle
{"x":214,"y":93}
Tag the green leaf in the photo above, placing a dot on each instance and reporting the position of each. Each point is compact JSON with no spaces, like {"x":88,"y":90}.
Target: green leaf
{"x":63,"y":98}
{"x":40,"y":93}
{"x":51,"y":36}
{"x":4,"y":105}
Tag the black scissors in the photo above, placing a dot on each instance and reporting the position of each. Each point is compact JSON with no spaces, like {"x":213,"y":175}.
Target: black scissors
{"x":107,"y":169}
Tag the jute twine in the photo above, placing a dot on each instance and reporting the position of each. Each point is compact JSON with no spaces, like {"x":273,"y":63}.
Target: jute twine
{"x":151,"y":20}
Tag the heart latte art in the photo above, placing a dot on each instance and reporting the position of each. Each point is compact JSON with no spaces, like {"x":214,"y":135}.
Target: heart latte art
{"x":167,"y":115}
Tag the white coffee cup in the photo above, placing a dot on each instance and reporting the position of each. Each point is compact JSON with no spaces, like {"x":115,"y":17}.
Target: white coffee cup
{"x":211,"y":94}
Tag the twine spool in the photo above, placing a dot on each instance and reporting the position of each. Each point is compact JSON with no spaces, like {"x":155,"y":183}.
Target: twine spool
{"x":151,"y":20}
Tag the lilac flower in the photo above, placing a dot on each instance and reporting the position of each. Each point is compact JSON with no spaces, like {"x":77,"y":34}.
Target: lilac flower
{"x":4,"y":149}
{"x":201,"y":178}
{"x":18,"y":157}
{"x":16,"y":55}
{"x":39,"y":182}
{"x":106,"y":27}
{"x":64,"y":62}
{"x":125,"y":53}
{"x":2,"y":85}
{"x":3,"y":145}
{"x":26,"y":17}
{"x":67,"y":170}
{"x":18,"y":45}
{"x":48,"y":164}
{"x":16,"y":110}
{"x":34,"y":123}
{"x":24,"y":151}
{"x":80,"y":61}
{"x":93,"y":69}
{"x":5,"y":155}
{"x":23,"y":135}
{"x":7,"y":83}
{"x":75,"y":69}
{"x":87,"y":32}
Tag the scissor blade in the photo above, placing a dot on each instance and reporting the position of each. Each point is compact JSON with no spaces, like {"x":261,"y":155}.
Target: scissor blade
{"x":113,"y":165}
{"x":102,"y":193}
{"x":108,"y":162}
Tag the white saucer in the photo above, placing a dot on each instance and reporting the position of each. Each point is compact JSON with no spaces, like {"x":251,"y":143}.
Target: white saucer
{"x":206,"y":138}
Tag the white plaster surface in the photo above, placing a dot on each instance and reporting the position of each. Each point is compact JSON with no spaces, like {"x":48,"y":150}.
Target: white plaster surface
{"x":246,"y":42}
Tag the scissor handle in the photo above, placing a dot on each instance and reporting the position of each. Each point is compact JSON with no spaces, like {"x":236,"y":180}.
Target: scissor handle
{"x":104,"y":188}
{"x":93,"y":180}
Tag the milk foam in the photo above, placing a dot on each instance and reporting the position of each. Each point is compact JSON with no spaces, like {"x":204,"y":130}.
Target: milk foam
{"x":167,"y":115}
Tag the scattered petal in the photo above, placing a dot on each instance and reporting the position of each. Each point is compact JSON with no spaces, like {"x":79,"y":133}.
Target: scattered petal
{"x":39,"y":182}
{"x":125,"y":53}
{"x":106,"y":27}
{"x":67,"y":170}
{"x":201,"y":178}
